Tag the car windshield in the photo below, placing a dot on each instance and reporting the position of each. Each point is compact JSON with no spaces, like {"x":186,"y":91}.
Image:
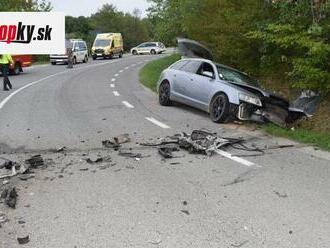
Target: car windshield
{"x":235,"y":76}
{"x":102,"y":43}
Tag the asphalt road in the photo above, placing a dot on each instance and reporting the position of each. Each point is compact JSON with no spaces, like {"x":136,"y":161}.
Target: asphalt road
{"x":280,"y":199}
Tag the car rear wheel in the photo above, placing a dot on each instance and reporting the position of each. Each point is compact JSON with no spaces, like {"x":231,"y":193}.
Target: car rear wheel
{"x":94,"y":57}
{"x":74,"y":61}
{"x":120,"y":55}
{"x":85,"y":59}
{"x":134,"y":52}
{"x":153,"y":52}
{"x":53,"y":63}
{"x":164,"y":94}
{"x":219,"y":108}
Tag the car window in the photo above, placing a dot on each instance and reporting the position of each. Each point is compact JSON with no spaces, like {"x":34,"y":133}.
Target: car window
{"x":82,"y":46}
{"x":179,"y":65}
{"x":142,"y":45}
{"x":206,"y":67}
{"x":191,"y":66}
{"x":102,"y":43}
{"x":235,"y":76}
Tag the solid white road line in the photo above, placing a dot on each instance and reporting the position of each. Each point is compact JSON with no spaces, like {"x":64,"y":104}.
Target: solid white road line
{"x":3,"y":103}
{"x":127,"y":104}
{"x":112,"y":85}
{"x":236,"y":159}
{"x":116,"y":93}
{"x":116,"y":75}
{"x":158,"y":123}
{"x":113,"y":80}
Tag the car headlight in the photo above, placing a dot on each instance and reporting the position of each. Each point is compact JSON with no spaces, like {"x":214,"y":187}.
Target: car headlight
{"x":250,"y":99}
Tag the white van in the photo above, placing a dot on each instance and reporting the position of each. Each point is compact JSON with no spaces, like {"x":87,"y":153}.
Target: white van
{"x":79,"y":52}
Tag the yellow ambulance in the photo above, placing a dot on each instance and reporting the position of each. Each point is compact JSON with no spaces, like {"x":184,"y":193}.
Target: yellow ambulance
{"x":108,"y":45}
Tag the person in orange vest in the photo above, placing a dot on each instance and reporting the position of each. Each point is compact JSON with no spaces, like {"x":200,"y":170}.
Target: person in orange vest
{"x":5,"y":61}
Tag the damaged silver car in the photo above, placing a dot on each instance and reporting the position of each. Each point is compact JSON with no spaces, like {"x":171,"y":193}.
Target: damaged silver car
{"x":226,"y":93}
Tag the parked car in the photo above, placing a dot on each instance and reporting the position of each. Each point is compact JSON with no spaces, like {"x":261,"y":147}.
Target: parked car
{"x":79,"y":52}
{"x":225,"y":92}
{"x":149,"y":48}
{"x":108,"y":45}
{"x":20,"y":61}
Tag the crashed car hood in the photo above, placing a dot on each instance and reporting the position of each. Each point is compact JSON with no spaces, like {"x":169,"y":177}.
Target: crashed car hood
{"x":193,"y":49}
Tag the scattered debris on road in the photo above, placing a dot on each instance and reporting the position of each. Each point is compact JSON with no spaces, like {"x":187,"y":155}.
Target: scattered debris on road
{"x":185,"y":212}
{"x":94,"y":161}
{"x":3,"y":219}
{"x":10,"y":195}
{"x":23,"y":240}
{"x":35,"y":161}
{"x":280,"y":195}
{"x":116,"y":142}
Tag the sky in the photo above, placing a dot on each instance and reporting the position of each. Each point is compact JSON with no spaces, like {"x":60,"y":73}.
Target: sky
{"x":88,"y":7}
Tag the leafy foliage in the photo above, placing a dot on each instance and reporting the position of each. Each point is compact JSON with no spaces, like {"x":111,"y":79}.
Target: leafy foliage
{"x":25,"y":5}
{"x":262,"y":37}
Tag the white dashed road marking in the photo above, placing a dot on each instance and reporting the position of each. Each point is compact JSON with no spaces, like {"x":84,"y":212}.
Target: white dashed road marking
{"x":158,"y":123}
{"x":127,"y":104}
{"x":236,"y":159}
{"x":121,"y":71}
{"x":127,"y":67}
{"x":4,"y":102}
{"x":113,"y":80}
{"x":116,"y":93}
{"x":116,"y":75}
{"x":112,"y":85}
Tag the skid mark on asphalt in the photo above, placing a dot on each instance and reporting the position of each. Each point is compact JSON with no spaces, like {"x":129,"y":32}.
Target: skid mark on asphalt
{"x":158,"y":123}
{"x":116,"y":93}
{"x":128,"y":105}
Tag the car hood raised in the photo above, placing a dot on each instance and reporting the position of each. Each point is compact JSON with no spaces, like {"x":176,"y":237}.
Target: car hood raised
{"x":193,"y":49}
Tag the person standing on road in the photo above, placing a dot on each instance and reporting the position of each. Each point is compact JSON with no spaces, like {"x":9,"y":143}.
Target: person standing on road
{"x":5,"y":61}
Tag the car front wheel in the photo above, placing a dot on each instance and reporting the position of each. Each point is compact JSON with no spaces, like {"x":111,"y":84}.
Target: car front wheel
{"x":153,"y":52}
{"x":219,"y":108}
{"x":164,"y":94}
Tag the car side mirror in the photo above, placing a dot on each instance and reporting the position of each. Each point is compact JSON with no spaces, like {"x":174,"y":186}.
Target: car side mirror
{"x":208,"y":74}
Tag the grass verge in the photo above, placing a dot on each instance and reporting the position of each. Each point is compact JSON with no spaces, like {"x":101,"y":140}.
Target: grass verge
{"x":150,"y":73}
{"x":321,"y":140}
{"x":149,"y":76}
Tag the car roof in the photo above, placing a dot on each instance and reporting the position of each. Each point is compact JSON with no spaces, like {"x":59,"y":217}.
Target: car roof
{"x":216,"y":64}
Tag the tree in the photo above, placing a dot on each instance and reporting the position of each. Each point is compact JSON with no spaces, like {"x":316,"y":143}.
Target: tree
{"x":299,"y":37}
{"x":25,"y":5}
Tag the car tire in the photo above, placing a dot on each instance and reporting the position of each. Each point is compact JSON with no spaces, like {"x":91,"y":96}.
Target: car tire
{"x":85,"y":59}
{"x":153,"y":52}
{"x":164,"y":94}
{"x":94,"y":57}
{"x":74,"y":61}
{"x":120,"y":55}
{"x":219,"y":108}
{"x":134,"y":52}
{"x":53,"y":63}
